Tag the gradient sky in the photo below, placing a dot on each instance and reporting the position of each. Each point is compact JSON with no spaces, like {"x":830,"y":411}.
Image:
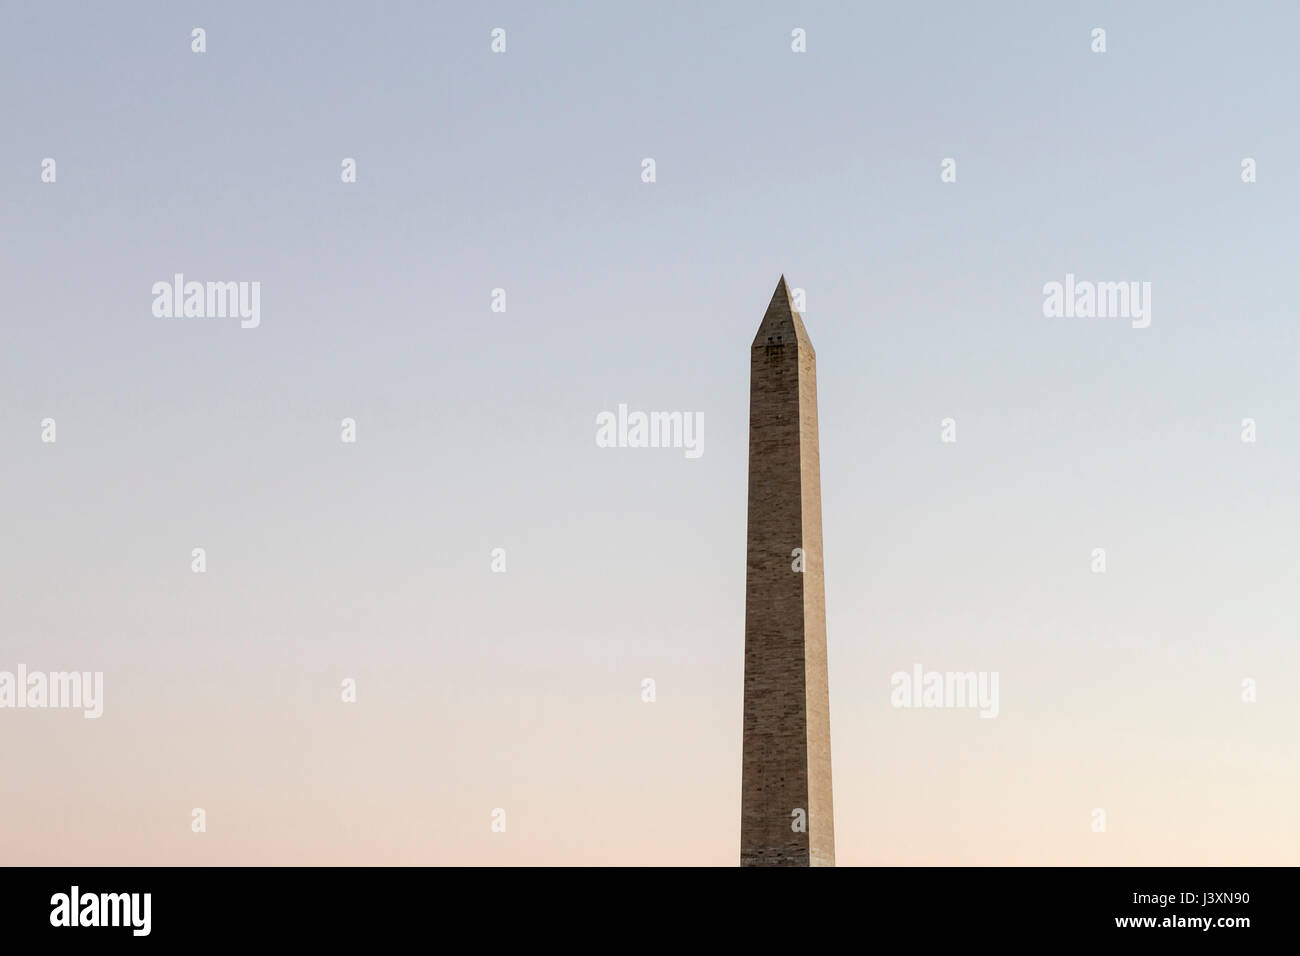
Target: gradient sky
{"x":476,"y":429}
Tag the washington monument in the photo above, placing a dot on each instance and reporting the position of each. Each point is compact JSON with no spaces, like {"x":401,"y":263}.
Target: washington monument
{"x":786,"y":818}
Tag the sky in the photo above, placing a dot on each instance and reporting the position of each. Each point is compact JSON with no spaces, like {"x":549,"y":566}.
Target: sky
{"x":522,"y":691}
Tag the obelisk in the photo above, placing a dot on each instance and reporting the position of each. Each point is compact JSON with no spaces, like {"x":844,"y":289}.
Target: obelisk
{"x":786,"y":818}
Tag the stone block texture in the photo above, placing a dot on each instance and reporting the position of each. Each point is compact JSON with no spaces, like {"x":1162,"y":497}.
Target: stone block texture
{"x":787,"y":741}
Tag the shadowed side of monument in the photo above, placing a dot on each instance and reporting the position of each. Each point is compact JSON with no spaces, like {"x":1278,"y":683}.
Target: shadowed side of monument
{"x":786,"y":816}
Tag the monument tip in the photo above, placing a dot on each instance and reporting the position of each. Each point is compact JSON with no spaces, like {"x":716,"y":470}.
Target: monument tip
{"x":781,"y":322}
